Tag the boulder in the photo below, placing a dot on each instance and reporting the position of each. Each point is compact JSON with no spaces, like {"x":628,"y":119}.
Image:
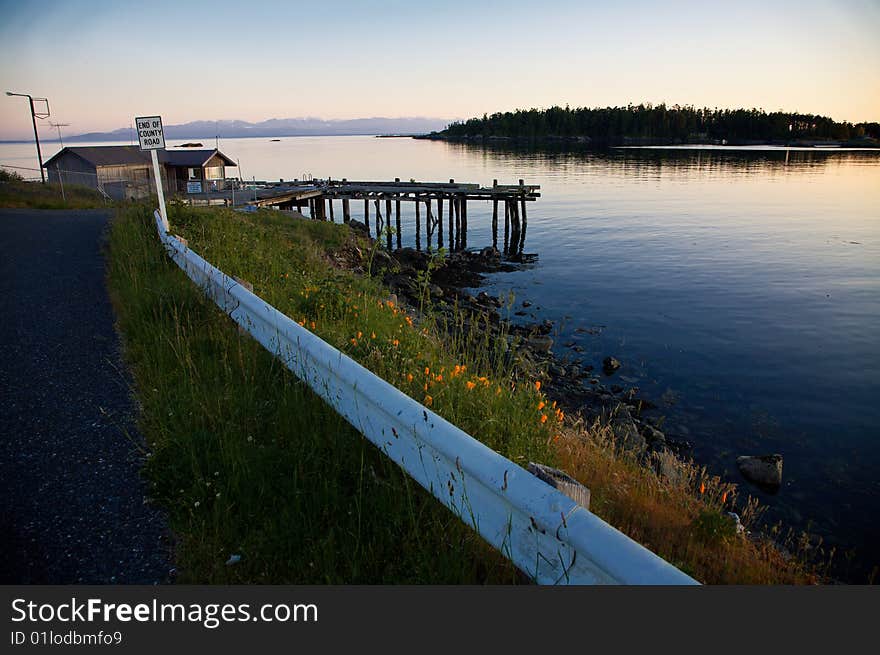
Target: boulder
{"x":540,"y":343}
{"x":490,"y":253}
{"x":764,"y":470}
{"x":609,"y":365}
{"x":485,"y":299}
{"x":359,"y":226}
{"x":626,"y":430}
{"x":400,"y":283}
{"x":411,"y":258}
{"x":669,"y":467}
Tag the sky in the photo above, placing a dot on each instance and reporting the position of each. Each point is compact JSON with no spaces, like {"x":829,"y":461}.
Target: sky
{"x":102,"y":63}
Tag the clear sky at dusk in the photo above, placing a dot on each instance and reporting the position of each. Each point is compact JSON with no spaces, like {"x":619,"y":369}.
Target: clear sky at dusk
{"x":101,"y":63}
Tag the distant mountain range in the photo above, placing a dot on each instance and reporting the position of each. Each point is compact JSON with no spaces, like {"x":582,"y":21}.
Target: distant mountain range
{"x":277,"y":127}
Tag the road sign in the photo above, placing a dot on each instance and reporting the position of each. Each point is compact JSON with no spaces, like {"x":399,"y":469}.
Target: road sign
{"x":151,"y":137}
{"x":150,"y":133}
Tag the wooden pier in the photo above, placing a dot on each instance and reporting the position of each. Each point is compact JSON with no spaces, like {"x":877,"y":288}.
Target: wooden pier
{"x":445,"y":207}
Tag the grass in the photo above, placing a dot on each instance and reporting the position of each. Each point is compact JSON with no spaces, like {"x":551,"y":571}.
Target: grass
{"x":17,"y":193}
{"x":248,"y":461}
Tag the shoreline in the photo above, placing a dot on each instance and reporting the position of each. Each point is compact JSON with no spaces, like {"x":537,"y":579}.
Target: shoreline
{"x":591,"y":395}
{"x":647,"y":142}
{"x":579,"y":389}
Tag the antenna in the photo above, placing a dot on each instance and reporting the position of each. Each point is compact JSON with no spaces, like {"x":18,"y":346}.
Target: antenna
{"x":58,"y":126}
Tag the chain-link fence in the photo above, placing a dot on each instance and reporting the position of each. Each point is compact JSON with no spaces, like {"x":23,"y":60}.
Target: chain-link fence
{"x":115,"y":183}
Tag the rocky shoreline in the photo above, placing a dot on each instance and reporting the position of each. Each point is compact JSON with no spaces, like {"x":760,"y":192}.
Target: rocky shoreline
{"x":579,"y":389}
{"x":444,"y":285}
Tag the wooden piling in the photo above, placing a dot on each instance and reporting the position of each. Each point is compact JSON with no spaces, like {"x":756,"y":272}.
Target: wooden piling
{"x":439,"y":222}
{"x":378,"y":221}
{"x":330,"y":204}
{"x":367,"y":215}
{"x":495,"y":223}
{"x":388,"y":221}
{"x":451,"y":234}
{"x":506,"y":226}
{"x":514,"y":228}
{"x":397,"y":220}
{"x":418,"y":225}
{"x":522,"y":236}
{"x":457,"y":202}
{"x":464,"y":222}
{"x":429,"y":223}
{"x":346,"y":210}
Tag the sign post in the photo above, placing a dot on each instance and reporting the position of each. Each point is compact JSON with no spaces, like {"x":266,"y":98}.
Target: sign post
{"x":151,"y":137}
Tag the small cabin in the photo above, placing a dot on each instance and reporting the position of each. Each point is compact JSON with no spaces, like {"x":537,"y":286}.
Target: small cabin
{"x":126,"y":172}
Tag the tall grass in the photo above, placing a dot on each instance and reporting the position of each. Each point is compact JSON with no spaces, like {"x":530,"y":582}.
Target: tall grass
{"x":17,"y":193}
{"x":249,"y":462}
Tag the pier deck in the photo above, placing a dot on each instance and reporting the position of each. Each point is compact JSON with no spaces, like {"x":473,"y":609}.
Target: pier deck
{"x":385,"y":198}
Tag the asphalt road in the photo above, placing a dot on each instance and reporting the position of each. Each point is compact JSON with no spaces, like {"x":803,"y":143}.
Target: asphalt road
{"x":72,"y":502}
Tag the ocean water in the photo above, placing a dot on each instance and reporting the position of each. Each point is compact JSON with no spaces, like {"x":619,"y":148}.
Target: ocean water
{"x":740,"y":288}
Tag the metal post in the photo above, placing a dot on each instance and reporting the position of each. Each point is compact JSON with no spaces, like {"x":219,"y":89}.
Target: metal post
{"x":37,"y":139}
{"x":36,"y":134}
{"x":61,"y":182}
{"x":159,"y":191}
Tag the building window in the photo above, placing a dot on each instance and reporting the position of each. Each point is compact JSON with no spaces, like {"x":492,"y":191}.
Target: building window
{"x":194,"y":174}
{"x":214,"y":173}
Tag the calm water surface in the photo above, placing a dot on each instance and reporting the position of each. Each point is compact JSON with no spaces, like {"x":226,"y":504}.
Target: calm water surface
{"x":740,"y":289}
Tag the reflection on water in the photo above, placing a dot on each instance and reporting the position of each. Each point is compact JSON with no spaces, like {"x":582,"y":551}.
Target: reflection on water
{"x":740,"y":290}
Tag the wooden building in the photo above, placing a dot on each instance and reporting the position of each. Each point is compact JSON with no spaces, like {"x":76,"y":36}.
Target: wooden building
{"x":125,"y":172}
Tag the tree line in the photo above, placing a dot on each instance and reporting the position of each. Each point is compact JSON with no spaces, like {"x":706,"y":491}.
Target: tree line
{"x":680,"y":123}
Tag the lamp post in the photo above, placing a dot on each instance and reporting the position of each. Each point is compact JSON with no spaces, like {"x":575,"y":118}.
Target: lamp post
{"x":34,"y":119}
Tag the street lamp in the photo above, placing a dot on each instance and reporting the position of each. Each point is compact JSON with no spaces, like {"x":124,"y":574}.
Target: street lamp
{"x":34,"y":116}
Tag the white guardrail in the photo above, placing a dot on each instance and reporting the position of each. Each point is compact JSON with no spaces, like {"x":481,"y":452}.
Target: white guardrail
{"x":545,"y":533}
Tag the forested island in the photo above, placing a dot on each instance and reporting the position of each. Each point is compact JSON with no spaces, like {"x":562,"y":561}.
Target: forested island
{"x":647,"y":124}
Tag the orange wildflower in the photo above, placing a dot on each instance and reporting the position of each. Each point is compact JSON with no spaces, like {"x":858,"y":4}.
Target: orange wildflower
{"x":543,"y":418}
{"x":702,"y":487}
{"x":409,"y":377}
{"x":470,"y":385}
{"x":537,"y":385}
{"x":429,"y":401}
{"x":541,"y":405}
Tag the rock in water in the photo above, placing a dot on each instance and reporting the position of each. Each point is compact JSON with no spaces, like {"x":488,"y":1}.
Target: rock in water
{"x":765,"y":470}
{"x":490,"y":253}
{"x":540,"y":343}
{"x":610,"y":364}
